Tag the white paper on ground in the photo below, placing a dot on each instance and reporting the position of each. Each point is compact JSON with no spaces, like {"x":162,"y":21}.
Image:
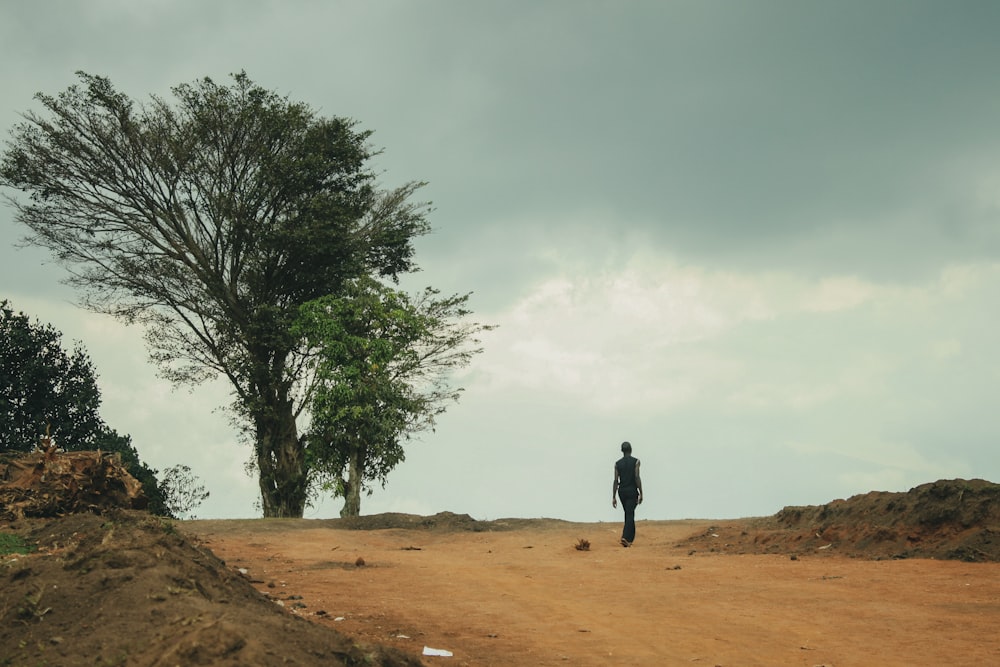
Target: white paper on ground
{"x":437,"y":651}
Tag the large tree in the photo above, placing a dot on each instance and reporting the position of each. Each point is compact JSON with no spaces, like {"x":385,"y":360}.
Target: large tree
{"x":210,"y":221}
{"x":384,"y":365}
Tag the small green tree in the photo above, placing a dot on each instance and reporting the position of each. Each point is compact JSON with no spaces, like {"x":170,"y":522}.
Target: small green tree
{"x":42,"y":387}
{"x":384,"y":362}
{"x":45,"y":391}
{"x":182,"y":491}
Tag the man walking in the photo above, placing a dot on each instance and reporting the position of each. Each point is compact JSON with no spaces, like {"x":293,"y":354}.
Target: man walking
{"x":628,"y":487}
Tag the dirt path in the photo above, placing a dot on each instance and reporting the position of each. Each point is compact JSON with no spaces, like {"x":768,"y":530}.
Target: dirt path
{"x":528,"y":597}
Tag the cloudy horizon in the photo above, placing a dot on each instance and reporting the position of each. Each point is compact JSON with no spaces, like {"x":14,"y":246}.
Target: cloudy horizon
{"x":760,"y":241}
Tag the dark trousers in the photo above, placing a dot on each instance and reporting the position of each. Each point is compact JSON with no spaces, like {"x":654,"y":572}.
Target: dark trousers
{"x":629,"y":503}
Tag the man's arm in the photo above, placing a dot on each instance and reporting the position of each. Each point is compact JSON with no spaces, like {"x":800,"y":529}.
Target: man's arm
{"x":638,"y":481}
{"x":614,"y":490}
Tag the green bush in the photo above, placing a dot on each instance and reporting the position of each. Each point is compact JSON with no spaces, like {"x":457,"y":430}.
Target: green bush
{"x":13,"y":544}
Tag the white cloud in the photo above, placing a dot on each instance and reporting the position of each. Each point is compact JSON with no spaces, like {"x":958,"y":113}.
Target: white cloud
{"x":838,"y":293}
{"x":656,"y":336}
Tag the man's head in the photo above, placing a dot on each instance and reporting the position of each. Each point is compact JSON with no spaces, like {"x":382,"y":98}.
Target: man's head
{"x":626,"y":447}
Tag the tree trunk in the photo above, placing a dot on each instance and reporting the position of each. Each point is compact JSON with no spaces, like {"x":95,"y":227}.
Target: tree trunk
{"x":352,"y":488}
{"x":281,"y":462}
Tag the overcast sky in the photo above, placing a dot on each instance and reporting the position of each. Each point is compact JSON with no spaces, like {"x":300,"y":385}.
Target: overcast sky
{"x":759,"y":240}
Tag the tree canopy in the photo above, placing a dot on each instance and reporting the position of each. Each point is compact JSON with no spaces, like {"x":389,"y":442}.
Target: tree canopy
{"x":43,"y":389}
{"x":210,"y":221}
{"x":383,"y":371}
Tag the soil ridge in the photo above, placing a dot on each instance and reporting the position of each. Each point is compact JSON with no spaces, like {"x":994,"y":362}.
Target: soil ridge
{"x":953,"y":519}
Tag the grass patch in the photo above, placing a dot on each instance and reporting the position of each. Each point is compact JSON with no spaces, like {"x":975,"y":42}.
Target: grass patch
{"x":13,"y":544}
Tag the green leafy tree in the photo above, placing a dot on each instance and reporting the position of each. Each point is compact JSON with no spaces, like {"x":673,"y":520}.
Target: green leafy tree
{"x":43,"y":388}
{"x":383,"y":374}
{"x":210,"y":221}
{"x":47,"y":392}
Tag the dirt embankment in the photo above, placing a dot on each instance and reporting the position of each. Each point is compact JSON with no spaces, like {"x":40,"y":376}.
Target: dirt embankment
{"x":949,"y":519}
{"x":87,"y":580}
{"x":129,"y":589}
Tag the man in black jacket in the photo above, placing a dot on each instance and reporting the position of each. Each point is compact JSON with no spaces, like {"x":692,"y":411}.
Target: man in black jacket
{"x":628,"y":487}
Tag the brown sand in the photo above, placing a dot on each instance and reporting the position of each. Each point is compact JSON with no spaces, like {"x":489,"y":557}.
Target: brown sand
{"x":527,"y":596}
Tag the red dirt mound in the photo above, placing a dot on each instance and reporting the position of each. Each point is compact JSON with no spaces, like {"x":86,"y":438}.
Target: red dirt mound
{"x":128,"y":589}
{"x":948,"y":519}
{"x":102,"y":584}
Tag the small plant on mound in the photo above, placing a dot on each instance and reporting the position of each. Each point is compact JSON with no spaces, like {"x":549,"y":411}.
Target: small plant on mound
{"x":583,"y":545}
{"x":13,"y":544}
